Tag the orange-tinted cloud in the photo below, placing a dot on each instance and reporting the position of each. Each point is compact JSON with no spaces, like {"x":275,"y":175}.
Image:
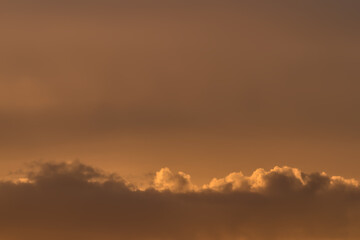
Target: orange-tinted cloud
{"x":76,"y":201}
{"x":165,"y":179}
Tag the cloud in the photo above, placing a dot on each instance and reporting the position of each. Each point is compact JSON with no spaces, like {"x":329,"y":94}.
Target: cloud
{"x":76,"y":201}
{"x":280,"y":180}
{"x":165,"y":179}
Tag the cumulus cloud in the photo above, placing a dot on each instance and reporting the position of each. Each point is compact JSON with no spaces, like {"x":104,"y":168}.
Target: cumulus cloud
{"x":76,"y":201}
{"x":280,"y":180}
{"x":165,"y":179}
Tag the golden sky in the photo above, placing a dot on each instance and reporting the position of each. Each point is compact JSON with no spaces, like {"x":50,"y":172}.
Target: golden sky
{"x":204,"y":87}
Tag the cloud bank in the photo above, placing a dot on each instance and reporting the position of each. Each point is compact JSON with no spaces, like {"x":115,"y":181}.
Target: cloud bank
{"x":77,"y":201}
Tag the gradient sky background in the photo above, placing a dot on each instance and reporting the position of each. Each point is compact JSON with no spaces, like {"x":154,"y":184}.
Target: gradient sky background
{"x":206,"y":87}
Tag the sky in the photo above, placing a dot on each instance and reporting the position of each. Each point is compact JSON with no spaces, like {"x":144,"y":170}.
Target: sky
{"x":143,"y":89}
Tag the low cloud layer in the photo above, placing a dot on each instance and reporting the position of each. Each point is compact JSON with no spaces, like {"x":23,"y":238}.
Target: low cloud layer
{"x":76,"y":201}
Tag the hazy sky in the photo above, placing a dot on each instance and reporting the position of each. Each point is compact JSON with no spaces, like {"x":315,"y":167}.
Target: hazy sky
{"x":145,"y":89}
{"x":206,"y":87}
{"x":139,"y":85}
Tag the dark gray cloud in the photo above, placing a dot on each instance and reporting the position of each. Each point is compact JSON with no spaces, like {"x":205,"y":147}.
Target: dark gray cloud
{"x":76,"y":201}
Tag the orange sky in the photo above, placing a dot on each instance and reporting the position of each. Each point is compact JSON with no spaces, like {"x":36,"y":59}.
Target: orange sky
{"x":204,"y":87}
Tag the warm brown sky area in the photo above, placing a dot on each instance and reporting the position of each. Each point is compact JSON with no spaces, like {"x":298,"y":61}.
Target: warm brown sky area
{"x":204,"y":87}
{"x":136,"y":86}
